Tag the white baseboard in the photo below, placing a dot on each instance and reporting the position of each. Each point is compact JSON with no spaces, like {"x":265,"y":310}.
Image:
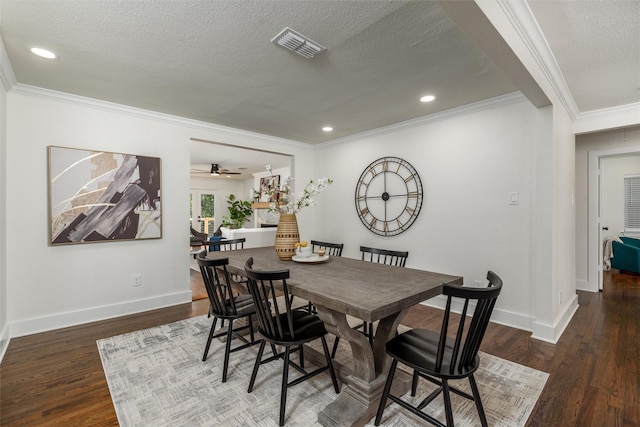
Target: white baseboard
{"x":542,"y":332}
{"x":4,"y":341}
{"x":552,"y":333}
{"x":502,"y":317}
{"x":94,"y":314}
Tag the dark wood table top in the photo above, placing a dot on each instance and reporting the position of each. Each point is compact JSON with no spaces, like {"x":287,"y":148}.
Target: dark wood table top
{"x":362,"y":289}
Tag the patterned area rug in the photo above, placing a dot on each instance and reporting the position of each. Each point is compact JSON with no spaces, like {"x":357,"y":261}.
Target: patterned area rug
{"x":156,"y":378}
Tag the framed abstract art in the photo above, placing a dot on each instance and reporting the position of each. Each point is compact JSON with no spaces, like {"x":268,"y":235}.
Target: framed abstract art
{"x":100,"y":196}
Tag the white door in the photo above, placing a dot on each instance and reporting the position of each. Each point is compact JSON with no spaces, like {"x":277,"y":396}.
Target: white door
{"x":600,"y":228}
{"x":202,"y":211}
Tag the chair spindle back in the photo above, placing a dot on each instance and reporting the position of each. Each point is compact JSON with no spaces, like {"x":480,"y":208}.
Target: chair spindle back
{"x":218,"y":285}
{"x":384,"y":256}
{"x":333,"y":249}
{"x":276,"y":321}
{"x":467,"y":341}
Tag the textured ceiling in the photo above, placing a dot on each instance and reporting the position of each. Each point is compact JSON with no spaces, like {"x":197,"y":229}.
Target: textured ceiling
{"x":214,"y":61}
{"x":597,"y":46}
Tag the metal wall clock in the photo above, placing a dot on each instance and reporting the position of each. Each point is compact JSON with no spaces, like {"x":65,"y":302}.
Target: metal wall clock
{"x":388,"y":196}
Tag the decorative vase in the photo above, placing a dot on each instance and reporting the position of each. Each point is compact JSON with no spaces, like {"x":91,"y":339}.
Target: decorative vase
{"x":287,"y":236}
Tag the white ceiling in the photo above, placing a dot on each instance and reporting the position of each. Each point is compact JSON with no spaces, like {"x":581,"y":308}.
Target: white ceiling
{"x":214,"y":61}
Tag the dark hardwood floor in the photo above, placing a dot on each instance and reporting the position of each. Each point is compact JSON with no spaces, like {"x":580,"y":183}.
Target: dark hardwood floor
{"x":55,"y":378}
{"x":197,"y":287}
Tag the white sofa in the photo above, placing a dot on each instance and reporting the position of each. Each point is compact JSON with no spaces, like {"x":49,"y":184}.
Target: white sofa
{"x":255,"y":237}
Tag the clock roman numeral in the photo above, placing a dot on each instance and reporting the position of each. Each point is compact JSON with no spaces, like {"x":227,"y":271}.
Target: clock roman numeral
{"x":373,"y":222}
{"x":414,"y":194}
{"x":364,"y":211}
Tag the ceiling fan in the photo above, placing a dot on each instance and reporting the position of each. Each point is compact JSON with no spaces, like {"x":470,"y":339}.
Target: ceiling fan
{"x":217,"y":170}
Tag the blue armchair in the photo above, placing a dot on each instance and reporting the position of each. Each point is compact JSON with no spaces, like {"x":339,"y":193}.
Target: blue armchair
{"x":626,"y":255}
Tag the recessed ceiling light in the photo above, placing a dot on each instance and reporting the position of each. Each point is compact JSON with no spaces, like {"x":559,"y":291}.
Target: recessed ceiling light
{"x":427,"y":98}
{"x":327,"y":128}
{"x":44,"y":53}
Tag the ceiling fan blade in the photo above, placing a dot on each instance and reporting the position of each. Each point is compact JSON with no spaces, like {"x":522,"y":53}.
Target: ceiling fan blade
{"x":217,"y":170}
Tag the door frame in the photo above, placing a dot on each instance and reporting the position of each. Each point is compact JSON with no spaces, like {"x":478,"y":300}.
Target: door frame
{"x":594,"y":258}
{"x":195,"y":194}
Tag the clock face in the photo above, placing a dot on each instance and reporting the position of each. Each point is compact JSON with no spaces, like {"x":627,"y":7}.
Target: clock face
{"x":388,"y":196}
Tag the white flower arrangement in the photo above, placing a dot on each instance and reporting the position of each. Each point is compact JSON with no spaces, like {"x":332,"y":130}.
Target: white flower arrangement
{"x":289,"y":203}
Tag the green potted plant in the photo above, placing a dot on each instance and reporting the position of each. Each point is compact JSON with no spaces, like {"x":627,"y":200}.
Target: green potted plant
{"x":239,"y":212}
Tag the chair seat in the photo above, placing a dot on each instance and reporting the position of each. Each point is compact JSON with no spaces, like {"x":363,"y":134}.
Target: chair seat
{"x":306,"y":327}
{"x":244,"y":307}
{"x":418,"y":348}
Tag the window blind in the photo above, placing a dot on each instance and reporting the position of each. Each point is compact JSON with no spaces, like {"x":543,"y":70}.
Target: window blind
{"x":632,"y":202}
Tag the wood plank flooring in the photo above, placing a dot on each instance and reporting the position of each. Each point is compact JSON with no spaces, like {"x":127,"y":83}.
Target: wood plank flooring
{"x":56,"y":379}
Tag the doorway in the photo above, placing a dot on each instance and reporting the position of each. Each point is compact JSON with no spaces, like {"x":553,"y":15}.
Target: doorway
{"x":595,"y":223}
{"x":202,"y":211}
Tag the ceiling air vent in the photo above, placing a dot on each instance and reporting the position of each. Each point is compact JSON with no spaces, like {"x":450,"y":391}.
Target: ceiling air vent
{"x":297,"y":43}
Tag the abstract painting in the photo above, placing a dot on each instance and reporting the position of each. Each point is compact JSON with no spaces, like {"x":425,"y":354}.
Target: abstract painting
{"x":99,"y":196}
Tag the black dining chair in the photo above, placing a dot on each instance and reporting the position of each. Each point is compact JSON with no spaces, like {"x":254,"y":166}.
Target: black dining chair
{"x":384,"y":256}
{"x":380,"y":256}
{"x":332,"y":249}
{"x":227,"y":244}
{"x":448,"y":354}
{"x":225,"y":304}
{"x":284,"y":326}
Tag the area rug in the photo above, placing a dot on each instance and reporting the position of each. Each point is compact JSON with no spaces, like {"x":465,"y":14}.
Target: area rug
{"x":157,"y":378}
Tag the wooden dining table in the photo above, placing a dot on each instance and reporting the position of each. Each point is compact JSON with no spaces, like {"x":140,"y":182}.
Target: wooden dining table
{"x":341,"y":287}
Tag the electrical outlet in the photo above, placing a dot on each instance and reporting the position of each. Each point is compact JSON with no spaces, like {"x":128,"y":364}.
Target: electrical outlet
{"x":136,"y":280}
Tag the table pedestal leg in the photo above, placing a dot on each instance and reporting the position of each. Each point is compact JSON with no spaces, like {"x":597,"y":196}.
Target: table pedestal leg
{"x":358,"y":402}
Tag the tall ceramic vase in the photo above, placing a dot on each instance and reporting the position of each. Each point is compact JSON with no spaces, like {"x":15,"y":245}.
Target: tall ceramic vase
{"x":287,"y":236}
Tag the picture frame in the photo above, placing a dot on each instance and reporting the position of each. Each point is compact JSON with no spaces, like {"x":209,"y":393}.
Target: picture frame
{"x":100,"y":196}
{"x":269,"y":188}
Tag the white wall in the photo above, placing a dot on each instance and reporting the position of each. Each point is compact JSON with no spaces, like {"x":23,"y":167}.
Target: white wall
{"x":469,"y":160}
{"x":51,"y":287}
{"x":469,"y":163}
{"x":4,"y":330}
{"x":561,"y":284}
{"x":628,"y":139}
{"x":612,"y":198}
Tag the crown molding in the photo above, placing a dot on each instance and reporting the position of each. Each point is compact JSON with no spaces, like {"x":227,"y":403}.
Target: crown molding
{"x":607,"y":118}
{"x":498,"y":101}
{"x":113,"y":107}
{"x":6,"y":70}
{"x":524,"y":23}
